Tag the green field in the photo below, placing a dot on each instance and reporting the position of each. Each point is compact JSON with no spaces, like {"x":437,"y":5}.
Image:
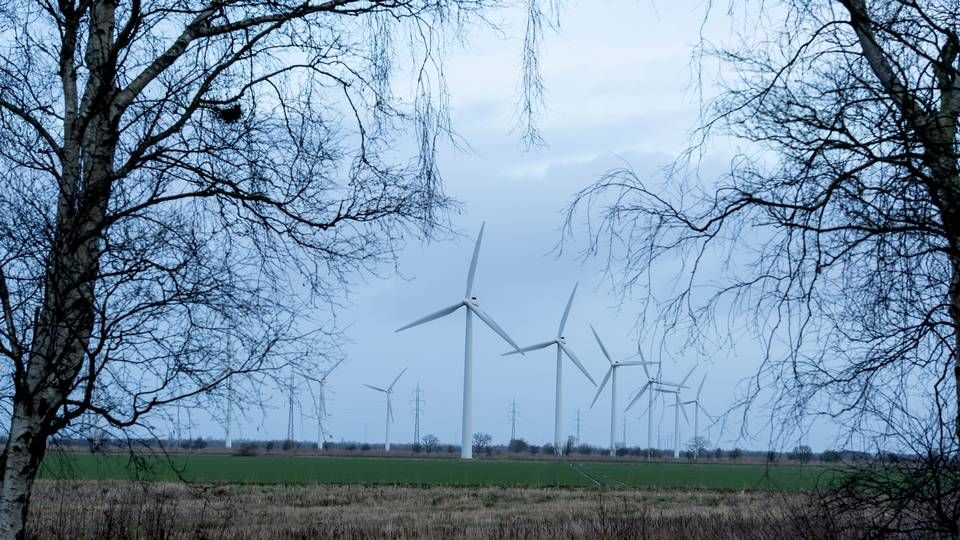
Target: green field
{"x":209,"y":468}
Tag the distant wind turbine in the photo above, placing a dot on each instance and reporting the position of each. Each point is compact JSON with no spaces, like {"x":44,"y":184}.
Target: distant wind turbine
{"x":611,"y":374}
{"x":697,"y":407}
{"x":388,"y":391}
{"x":676,"y":417}
{"x":322,"y":405}
{"x":562,"y":348}
{"x":472,"y":307}
{"x":653,"y":383}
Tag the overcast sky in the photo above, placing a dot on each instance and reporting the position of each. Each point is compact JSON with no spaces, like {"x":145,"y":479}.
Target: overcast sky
{"x":619,"y":89}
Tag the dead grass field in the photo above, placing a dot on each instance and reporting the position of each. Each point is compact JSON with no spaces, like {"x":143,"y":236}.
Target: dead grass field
{"x":115,"y":509}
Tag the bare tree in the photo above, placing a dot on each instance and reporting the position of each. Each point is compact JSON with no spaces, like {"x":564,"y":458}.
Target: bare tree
{"x":834,"y":239}
{"x":184,"y":184}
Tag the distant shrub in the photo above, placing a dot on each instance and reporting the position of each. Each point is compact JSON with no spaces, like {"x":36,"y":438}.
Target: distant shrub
{"x":622,"y":451}
{"x":533,"y":449}
{"x":246,"y":450}
{"x":518,"y":445}
{"x":736,"y":454}
{"x":830,"y":456}
{"x":451,"y":448}
{"x":364,"y":447}
{"x":549,"y":449}
{"x":198,"y":444}
{"x":585,"y":449}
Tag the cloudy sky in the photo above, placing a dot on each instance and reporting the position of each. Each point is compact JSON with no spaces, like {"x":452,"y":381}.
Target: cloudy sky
{"x":619,"y":89}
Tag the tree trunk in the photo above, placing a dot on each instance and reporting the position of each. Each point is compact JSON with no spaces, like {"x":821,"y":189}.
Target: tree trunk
{"x":21,"y":460}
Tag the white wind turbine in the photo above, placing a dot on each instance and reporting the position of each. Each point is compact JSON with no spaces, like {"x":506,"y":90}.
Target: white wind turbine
{"x":611,"y":374}
{"x":678,"y":408}
{"x":472,"y":307}
{"x":388,"y":391}
{"x":652,"y":384}
{"x":322,"y":405}
{"x":562,"y":348}
{"x":697,"y":407}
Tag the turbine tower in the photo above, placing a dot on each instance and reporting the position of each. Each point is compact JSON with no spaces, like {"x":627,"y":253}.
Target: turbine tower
{"x":654,"y":383}
{"x":612,"y":377}
{"x":513,"y":420}
{"x":471,"y":307}
{"x":697,"y":407}
{"x":562,"y":349}
{"x":322,"y":406}
{"x":388,"y":391}
{"x":678,"y":408}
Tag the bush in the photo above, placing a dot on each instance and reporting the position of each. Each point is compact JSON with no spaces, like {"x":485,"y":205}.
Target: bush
{"x":736,"y":454}
{"x":549,"y":449}
{"x":622,"y":451}
{"x":246,"y":450}
{"x":533,"y":449}
{"x":198,"y":444}
{"x":830,"y":456}
{"x":518,"y":445}
{"x":364,"y":447}
{"x":585,"y":449}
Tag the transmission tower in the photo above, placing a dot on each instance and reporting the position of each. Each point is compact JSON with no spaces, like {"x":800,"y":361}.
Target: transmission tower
{"x":229,"y":439}
{"x":290,"y":413}
{"x":416,"y":416}
{"x":513,"y":420}
{"x":578,"y":426}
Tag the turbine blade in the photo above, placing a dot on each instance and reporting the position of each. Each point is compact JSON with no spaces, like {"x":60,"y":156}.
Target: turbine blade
{"x":645,"y":370}
{"x":687,"y":376}
{"x":566,"y":311}
{"x":673,"y":384}
{"x":329,"y":371}
{"x":700,"y":388}
{"x":636,"y":398}
{"x":435,"y":315}
{"x":634,"y":363}
{"x":602,"y":384}
{"x":602,"y":347}
{"x":377,"y":388}
{"x":684,"y":411}
{"x":473,"y":262}
{"x":494,"y":326}
{"x":529,"y":348}
{"x":576,"y":362}
{"x":397,"y":379}
{"x":704,"y":410}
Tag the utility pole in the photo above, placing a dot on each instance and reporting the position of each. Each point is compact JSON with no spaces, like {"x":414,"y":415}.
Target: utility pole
{"x":416,"y":416}
{"x":290,"y":413}
{"x":578,"y":426}
{"x":513,"y":420}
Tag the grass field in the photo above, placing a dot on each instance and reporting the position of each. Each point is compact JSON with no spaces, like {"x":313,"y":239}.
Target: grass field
{"x":222,"y":469}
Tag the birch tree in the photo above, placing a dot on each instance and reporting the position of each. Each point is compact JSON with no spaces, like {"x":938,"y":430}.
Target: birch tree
{"x":183,"y":181}
{"x":833,"y":241}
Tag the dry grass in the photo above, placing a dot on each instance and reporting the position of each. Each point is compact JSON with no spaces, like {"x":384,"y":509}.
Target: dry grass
{"x":88,"y":509}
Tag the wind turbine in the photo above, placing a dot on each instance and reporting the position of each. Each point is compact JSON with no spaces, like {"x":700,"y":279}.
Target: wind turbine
{"x":472,"y":307}
{"x":611,"y":374}
{"x":676,"y":418}
{"x":322,"y":405}
{"x":388,"y":391}
{"x":561,"y":343}
{"x":654,"y":382}
{"x":697,"y":407}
